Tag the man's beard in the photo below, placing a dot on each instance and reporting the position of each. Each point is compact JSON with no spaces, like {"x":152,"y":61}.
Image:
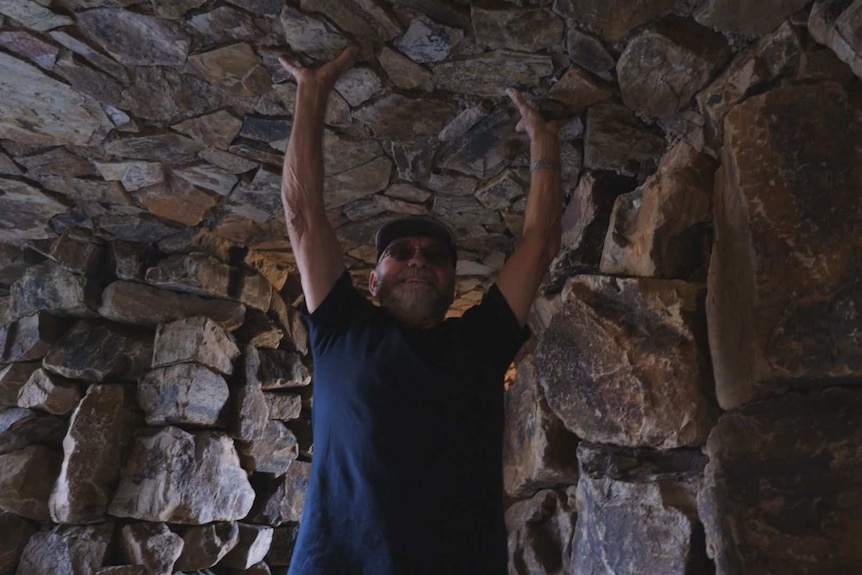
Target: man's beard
{"x":415,"y":296}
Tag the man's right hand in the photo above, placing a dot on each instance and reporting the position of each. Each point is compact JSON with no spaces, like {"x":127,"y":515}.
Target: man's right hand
{"x":320,"y":82}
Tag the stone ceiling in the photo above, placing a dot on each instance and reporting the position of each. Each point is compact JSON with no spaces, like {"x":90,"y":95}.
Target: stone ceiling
{"x":163,"y":120}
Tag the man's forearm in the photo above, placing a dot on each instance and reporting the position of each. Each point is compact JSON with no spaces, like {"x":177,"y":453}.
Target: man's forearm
{"x":544,"y":202}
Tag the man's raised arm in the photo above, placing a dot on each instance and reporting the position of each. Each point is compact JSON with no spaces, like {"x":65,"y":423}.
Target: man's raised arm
{"x":315,"y":246}
{"x":523,"y":272}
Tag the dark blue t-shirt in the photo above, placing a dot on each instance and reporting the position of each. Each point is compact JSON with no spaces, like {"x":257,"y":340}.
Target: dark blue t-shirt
{"x":407,"y":470}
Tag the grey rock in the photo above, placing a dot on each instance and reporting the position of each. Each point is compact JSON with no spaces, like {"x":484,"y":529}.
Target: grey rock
{"x":55,"y":162}
{"x":94,"y":57}
{"x":13,"y":377}
{"x":33,"y":15}
{"x":427,"y":41}
{"x":311,"y":35}
{"x":579,"y":89}
{"x":283,"y":406}
{"x":642,"y":465}
{"x":217,"y":129}
{"x":413,"y":159}
{"x":537,"y":449}
{"x":407,"y":192}
{"x":236,"y":69}
{"x":254,"y":291}
{"x":26,"y":477}
{"x":261,"y":195}
{"x":22,"y":427}
{"x":48,"y":287}
{"x":540,"y":533}
{"x":135,"y":39}
{"x":358,"y":182}
{"x":100,"y":433}
{"x":227,"y":161}
{"x":688,"y":56}
{"x":86,"y":80}
{"x":16,"y":531}
{"x":133,"y":175}
{"x":616,"y":140}
{"x":185,"y":393}
{"x":465,"y":120}
{"x":282,"y":500}
{"x":400,"y":118}
{"x":172,"y":9}
{"x":206,"y":545}
{"x":167,"y":148}
{"x":485,"y":149}
{"x":252,"y":547}
{"x":803,"y":450}
{"x":265,"y":129}
{"x":51,"y":394}
{"x":208,"y":177}
{"x":613,"y":19}
{"x":588,"y":52}
{"x":127,"y":259}
{"x":341,"y":153}
{"x":123,"y":570}
{"x":402,"y":71}
{"x":355,"y":22}
{"x":251,"y":407}
{"x":259,"y":330}
{"x":271,"y":452}
{"x":745,"y":18}
{"x":282,"y":369}
{"x":136,"y":227}
{"x":32,"y":336}
{"x":197,"y":340}
{"x":71,"y":549}
{"x":490,"y":73}
{"x":451,"y":185}
{"x":660,"y":229}
{"x":498,"y":192}
{"x":281,"y":548}
{"x":225,"y":24}
{"x":151,"y":545}
{"x":129,"y":302}
{"x":178,"y":477}
{"x":26,"y":211}
{"x":100,"y":351}
{"x":523,"y":30}
{"x":358,"y":85}
{"x":604,"y":362}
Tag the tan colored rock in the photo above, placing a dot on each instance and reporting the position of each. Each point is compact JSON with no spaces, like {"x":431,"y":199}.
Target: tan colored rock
{"x":490,"y":73}
{"x":100,"y":351}
{"x":537,"y":448}
{"x":178,"y":477}
{"x":616,"y":140}
{"x":208,"y":177}
{"x":784,"y":303}
{"x":193,"y":273}
{"x":351,"y":18}
{"x":99,"y":436}
{"x":253,"y":545}
{"x":235,"y":68}
{"x":76,"y":251}
{"x":273,"y":452}
{"x":281,"y":548}
{"x":133,"y":175}
{"x":217,"y":129}
{"x":56,"y":395}
{"x":283,"y":406}
{"x":579,"y":89}
{"x":50,"y":112}
{"x":682,"y":56}
{"x":404,"y":72}
{"x":68,"y":549}
{"x":206,"y":545}
{"x":194,"y":340}
{"x":426,"y":41}
{"x":16,"y":531}
{"x":624,"y":362}
{"x":837,"y":26}
{"x":359,"y":182}
{"x":177,"y":200}
{"x":254,"y":291}
{"x":129,"y":302}
{"x":26,"y":477}
{"x":13,"y":378}
{"x":48,"y":287}
{"x":660,"y":229}
{"x":185,"y":393}
{"x":151,"y":545}
{"x":399,"y":117}
{"x":166,"y":147}
{"x":127,"y":259}
{"x":280,"y":368}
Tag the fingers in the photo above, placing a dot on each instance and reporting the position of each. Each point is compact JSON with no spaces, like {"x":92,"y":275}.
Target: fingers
{"x":289,"y":66}
{"x":519,"y":101}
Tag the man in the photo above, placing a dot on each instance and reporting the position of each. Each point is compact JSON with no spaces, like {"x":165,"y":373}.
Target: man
{"x":408,"y":408}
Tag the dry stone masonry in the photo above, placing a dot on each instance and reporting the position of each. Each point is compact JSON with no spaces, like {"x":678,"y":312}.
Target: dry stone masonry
{"x":689,"y":402}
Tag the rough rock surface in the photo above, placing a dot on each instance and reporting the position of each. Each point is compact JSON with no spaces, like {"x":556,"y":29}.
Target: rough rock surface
{"x":625,"y":362}
{"x":26,"y":477}
{"x":22,"y":427}
{"x":251,"y":548}
{"x":72,"y":549}
{"x":251,"y":408}
{"x":48,"y":287}
{"x":178,"y":477}
{"x":280,"y":369}
{"x":272,"y":452}
{"x":205,"y":546}
{"x":184,"y":393}
{"x":194,"y":340}
{"x":99,"y":351}
{"x":151,"y":545}
{"x":282,"y":500}
{"x":99,"y":436}
{"x":800,"y":515}
{"x":16,"y":531}
{"x":784,"y":283}
{"x":540,"y":533}
{"x":55,"y":395}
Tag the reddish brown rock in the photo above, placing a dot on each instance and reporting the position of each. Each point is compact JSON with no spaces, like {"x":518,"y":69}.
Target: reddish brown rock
{"x":194,"y":273}
{"x":537,"y":449}
{"x":579,"y":89}
{"x":100,"y":433}
{"x":781,"y":487}
{"x":52,"y":394}
{"x":134,"y":303}
{"x":13,"y":377}
{"x":22,"y":427}
{"x":16,"y":531}
{"x":784,"y":280}
{"x":197,"y":340}
{"x":660,"y":229}
{"x":624,"y":362}
{"x":178,"y":477}
{"x":26,"y":477}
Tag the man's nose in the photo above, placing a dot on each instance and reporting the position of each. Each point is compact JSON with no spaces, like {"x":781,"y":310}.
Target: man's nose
{"x":419,"y":259}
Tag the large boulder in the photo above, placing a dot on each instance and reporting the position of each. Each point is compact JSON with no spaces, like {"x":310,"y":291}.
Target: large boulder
{"x":67,"y":549}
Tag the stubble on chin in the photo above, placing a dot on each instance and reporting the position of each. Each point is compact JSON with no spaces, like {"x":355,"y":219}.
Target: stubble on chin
{"x":415,"y":300}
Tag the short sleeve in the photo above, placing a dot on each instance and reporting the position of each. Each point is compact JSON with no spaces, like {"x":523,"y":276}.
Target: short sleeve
{"x":492,"y":330}
{"x":334,"y":312}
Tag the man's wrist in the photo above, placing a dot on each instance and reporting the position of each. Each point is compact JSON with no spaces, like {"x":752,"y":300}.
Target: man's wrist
{"x":545,"y":165}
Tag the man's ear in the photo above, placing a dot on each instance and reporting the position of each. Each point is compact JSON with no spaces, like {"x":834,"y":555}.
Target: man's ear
{"x":373,"y":283}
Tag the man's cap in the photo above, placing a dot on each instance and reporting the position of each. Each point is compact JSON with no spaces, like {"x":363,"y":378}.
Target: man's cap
{"x":415,"y":226}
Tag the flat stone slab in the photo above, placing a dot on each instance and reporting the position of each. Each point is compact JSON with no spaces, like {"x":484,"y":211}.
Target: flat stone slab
{"x":184,"y":393}
{"x":100,"y":351}
{"x":26,"y":478}
{"x":72,"y":549}
{"x":197,"y":340}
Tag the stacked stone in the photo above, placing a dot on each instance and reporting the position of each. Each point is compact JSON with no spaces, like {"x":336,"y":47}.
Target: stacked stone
{"x":135,"y":435}
{"x":691,"y":405}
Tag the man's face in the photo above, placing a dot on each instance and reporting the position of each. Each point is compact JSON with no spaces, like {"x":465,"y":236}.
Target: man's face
{"x":415,"y":280}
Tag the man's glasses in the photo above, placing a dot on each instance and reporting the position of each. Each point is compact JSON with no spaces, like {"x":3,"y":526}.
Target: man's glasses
{"x":434,"y":254}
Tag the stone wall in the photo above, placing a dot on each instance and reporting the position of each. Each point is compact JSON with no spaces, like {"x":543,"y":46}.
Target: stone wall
{"x":690,"y":400}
